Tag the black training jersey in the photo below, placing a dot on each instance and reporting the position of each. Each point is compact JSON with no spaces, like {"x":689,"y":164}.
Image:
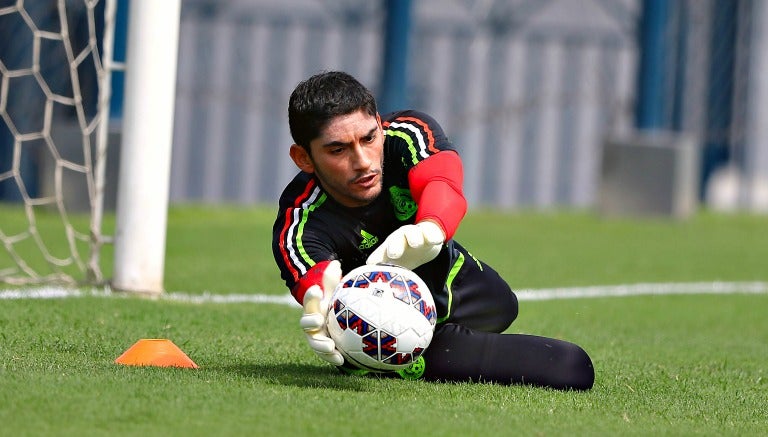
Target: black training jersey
{"x":312,"y":227}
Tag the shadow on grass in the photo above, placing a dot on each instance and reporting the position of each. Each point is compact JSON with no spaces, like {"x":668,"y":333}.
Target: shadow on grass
{"x":299,"y":375}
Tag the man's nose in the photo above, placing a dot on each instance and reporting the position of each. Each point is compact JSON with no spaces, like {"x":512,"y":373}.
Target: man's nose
{"x":360,"y":157}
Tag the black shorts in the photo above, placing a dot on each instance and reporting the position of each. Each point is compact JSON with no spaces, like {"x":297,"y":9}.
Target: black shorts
{"x":478,"y":297}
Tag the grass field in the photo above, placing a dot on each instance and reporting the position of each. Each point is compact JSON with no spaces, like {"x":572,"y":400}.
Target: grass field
{"x":667,"y":364}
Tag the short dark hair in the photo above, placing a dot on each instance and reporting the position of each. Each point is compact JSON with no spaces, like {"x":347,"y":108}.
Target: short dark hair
{"x":322,"y":97}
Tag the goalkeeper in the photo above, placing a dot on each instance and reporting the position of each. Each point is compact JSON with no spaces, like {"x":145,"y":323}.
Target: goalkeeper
{"x":389,"y":189}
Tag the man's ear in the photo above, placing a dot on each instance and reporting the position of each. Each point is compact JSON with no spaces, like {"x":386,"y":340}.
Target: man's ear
{"x":302,"y":159}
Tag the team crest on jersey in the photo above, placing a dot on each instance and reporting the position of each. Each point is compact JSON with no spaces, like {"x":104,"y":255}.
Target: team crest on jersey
{"x":401,"y":199}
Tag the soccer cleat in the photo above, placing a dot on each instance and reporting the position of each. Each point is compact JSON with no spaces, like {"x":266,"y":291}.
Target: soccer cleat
{"x":415,"y":370}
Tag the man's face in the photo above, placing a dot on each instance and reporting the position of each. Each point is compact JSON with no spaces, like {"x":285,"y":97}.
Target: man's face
{"x":347,"y":158}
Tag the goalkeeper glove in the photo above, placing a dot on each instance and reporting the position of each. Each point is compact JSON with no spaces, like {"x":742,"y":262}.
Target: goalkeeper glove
{"x":316,"y":301}
{"x":410,"y":246}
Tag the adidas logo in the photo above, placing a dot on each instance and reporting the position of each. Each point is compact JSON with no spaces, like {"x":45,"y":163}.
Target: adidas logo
{"x":369,"y":240}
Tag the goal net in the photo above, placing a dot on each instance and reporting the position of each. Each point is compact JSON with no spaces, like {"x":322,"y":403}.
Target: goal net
{"x":55,"y":70}
{"x":55,"y":75}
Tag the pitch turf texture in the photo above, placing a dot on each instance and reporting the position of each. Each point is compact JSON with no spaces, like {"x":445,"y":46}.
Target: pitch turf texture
{"x":667,"y":364}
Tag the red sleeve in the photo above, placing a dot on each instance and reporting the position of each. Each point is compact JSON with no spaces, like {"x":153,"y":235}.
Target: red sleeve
{"x":437,"y":187}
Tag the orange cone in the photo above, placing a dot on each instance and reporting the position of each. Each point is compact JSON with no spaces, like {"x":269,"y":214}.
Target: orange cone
{"x":157,"y":352}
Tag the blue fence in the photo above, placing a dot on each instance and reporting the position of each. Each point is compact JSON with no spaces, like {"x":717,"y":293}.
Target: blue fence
{"x":526,"y":93}
{"x":527,"y":90}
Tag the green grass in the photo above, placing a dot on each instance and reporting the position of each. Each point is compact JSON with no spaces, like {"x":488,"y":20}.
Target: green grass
{"x":669,"y":365}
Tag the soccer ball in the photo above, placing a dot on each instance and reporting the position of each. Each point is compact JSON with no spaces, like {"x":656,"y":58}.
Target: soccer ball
{"x":381,"y":317}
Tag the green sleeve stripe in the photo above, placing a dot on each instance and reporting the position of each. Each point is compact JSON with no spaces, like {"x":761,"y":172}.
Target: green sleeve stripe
{"x":407,"y":138}
{"x":300,"y":232}
{"x":449,"y":285}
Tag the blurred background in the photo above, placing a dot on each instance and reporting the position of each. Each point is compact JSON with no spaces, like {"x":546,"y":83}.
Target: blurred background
{"x":629,"y":106}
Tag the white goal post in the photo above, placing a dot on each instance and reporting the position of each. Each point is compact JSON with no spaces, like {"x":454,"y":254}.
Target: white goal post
{"x":142,"y":200}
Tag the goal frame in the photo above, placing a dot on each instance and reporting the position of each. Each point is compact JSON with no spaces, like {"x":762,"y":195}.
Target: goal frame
{"x":145,"y":154}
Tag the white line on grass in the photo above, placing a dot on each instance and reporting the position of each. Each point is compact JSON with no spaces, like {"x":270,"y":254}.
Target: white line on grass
{"x":523,"y":295}
{"x":644,"y":289}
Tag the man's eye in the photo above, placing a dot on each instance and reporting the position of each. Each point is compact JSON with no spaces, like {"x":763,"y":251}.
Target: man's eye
{"x":336,"y":150}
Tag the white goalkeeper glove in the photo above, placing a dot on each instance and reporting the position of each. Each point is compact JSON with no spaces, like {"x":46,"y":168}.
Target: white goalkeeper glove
{"x":316,"y":301}
{"x":410,"y":246}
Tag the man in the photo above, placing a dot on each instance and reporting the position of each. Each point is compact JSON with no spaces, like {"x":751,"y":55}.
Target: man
{"x":389,"y":189}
